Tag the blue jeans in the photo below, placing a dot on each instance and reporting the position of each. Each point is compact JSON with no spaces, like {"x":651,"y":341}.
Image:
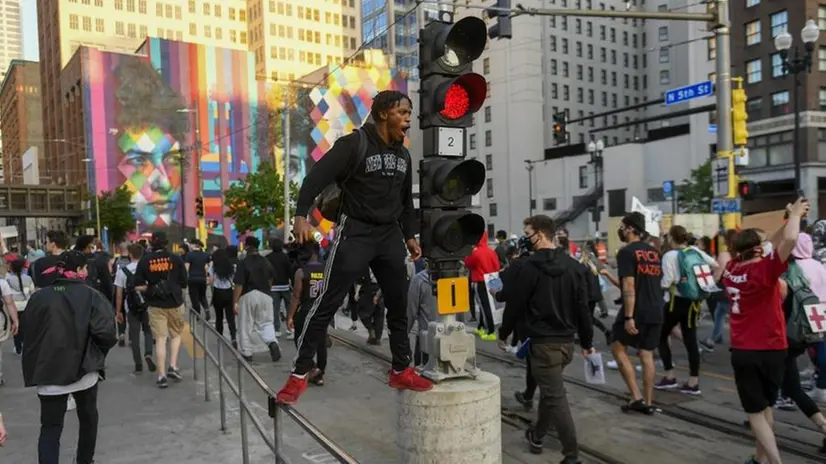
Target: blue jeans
{"x":723,"y":308}
{"x":820,"y":361}
{"x":277,"y":298}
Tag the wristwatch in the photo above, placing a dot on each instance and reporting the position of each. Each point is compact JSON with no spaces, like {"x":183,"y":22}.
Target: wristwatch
{"x":629,"y":318}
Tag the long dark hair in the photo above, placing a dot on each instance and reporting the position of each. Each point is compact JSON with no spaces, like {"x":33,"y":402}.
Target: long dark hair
{"x":222,"y":265}
{"x":16,"y":268}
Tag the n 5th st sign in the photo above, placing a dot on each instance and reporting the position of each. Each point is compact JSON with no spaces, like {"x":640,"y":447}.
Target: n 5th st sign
{"x":689,"y":92}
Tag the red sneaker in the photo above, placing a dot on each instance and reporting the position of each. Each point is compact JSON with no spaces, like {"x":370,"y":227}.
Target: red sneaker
{"x":409,"y":379}
{"x":292,"y":390}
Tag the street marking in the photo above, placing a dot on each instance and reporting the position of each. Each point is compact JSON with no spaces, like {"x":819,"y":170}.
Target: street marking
{"x":726,"y":389}
{"x":189,"y":343}
{"x":712,"y":375}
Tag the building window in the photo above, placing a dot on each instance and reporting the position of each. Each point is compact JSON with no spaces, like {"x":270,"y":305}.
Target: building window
{"x":583,"y":177}
{"x":754,"y":71}
{"x":489,"y":188}
{"x":821,"y":17}
{"x":472,"y":141}
{"x":777,"y":65}
{"x":206,"y":8}
{"x":87,"y":24}
{"x":711,"y":44}
{"x":73,"y":21}
{"x":489,"y":162}
{"x":142,"y":7}
{"x":754,"y":108}
{"x":130,"y":6}
{"x":780,"y":103}
{"x":751,"y":3}
{"x":487,"y":114}
{"x":822,"y":98}
{"x":549,"y":204}
{"x":664,"y":34}
{"x":192,"y":6}
{"x":131,"y":31}
{"x":492,"y":210}
{"x":486,"y":66}
{"x":753,"y":33}
{"x":119,"y":30}
{"x":821,"y":59}
{"x":118,"y":4}
{"x":193,"y":29}
{"x":488,"y":138}
{"x":665,"y":77}
{"x":779,"y":22}
{"x":664,"y":55}
{"x":99,"y":25}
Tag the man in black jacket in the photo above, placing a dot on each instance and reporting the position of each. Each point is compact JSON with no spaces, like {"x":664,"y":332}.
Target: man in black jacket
{"x":281,"y":289}
{"x":99,"y":275}
{"x":71,"y":329}
{"x":552,"y":294}
{"x":375,"y":223}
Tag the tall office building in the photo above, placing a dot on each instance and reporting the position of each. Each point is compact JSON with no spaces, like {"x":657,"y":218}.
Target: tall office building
{"x":770,"y":91}
{"x":586,"y":66}
{"x":399,"y":41}
{"x":20,"y":116}
{"x":289,"y":39}
{"x":11,"y":33}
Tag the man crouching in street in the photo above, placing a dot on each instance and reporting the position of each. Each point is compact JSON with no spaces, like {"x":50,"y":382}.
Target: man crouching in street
{"x":554,"y":307}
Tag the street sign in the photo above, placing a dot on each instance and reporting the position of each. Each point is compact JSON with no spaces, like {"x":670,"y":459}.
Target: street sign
{"x":689,"y":92}
{"x":719,"y":176}
{"x":712,"y":128}
{"x":668,"y":189}
{"x":725,"y":205}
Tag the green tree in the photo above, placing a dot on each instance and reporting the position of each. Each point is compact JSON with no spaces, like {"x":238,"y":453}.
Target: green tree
{"x":257,"y":202}
{"x":694,"y":195}
{"x":115,"y":212}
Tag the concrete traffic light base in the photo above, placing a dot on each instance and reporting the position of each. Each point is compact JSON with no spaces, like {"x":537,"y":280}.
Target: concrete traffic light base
{"x":457,"y":422}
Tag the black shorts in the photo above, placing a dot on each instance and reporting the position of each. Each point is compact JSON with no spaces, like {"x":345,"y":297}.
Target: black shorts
{"x":758,"y":376}
{"x":647,"y":338}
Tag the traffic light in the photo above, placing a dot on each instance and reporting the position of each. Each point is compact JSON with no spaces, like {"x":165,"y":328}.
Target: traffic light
{"x":212,"y":224}
{"x":747,"y":189}
{"x":450,"y":91}
{"x":450,"y":94}
{"x":561,"y":135}
{"x":502,"y":29}
{"x":739,"y":117}
{"x":199,"y":206}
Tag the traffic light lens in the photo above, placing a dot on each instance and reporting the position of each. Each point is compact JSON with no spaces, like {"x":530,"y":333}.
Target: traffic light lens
{"x":457,"y":102}
{"x":453,"y":233}
{"x":466,"y":178}
{"x":465,"y":41}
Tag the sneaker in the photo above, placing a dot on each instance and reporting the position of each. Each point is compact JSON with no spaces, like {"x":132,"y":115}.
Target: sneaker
{"x":247,"y":358}
{"x":316,"y":377}
{"x":491,"y":337}
{"x":162,"y":382}
{"x":174,"y":374}
{"x":708,"y":345}
{"x":277,"y":334}
{"x":785,"y":404}
{"x":291,"y":335}
{"x":292,"y":390}
{"x":534,"y":444}
{"x":511,"y":349}
{"x":150,"y":363}
{"x":807,"y":373}
{"x":275,"y":351}
{"x":409,"y":379}
{"x":526,"y":402}
{"x":689,"y":390}
{"x":371,"y":337}
{"x":612,"y":365}
{"x":481,"y":333}
{"x":234,"y":344}
{"x":818,"y":395}
{"x":667,"y":384}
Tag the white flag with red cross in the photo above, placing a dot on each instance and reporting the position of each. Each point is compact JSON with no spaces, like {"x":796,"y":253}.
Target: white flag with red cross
{"x":816,"y":315}
{"x":705,"y":278}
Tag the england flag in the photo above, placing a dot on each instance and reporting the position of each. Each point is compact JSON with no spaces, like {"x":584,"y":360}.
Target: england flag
{"x":705,"y":278}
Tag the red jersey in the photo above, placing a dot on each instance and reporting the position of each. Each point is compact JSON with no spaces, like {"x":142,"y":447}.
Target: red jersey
{"x":757,"y":319}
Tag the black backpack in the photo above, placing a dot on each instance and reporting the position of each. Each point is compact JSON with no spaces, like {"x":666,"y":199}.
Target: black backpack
{"x":328,"y":202}
{"x":134,"y":299}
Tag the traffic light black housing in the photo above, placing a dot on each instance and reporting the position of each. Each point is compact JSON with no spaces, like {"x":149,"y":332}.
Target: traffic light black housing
{"x":199,"y":206}
{"x":502,"y":29}
{"x":450,"y":235}
{"x":747,"y":189}
{"x":446,"y":183}
{"x":560,"y":128}
{"x":451,"y":101}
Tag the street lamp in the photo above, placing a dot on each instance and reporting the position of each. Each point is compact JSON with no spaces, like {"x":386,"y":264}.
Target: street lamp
{"x":529,"y":167}
{"x":97,"y":198}
{"x":795,"y":64}
{"x":595,"y":149}
{"x":184,"y":165}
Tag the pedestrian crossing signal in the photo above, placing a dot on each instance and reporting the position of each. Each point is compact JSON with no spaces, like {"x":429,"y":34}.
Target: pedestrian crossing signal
{"x":747,"y":189}
{"x":199,"y":206}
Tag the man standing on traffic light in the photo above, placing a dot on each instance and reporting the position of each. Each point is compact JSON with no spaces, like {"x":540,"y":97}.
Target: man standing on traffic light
{"x":375,"y":220}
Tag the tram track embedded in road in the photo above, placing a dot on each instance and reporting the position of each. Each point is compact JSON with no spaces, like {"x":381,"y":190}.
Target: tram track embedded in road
{"x":786,"y":444}
{"x":510,"y":418}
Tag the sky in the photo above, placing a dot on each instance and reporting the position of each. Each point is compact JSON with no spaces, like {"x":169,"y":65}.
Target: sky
{"x":29,"y":14}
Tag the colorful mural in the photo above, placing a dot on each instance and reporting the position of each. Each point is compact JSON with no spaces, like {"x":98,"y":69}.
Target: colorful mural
{"x":170,"y":118}
{"x":327,"y":112}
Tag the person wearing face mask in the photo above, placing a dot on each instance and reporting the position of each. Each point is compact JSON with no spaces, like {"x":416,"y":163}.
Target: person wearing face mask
{"x":639,"y":321}
{"x":758,"y":326}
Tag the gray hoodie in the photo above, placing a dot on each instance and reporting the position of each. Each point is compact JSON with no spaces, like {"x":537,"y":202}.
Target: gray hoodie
{"x":421,"y":306}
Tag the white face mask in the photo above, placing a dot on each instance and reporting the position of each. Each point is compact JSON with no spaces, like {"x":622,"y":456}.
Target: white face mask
{"x":768,"y":248}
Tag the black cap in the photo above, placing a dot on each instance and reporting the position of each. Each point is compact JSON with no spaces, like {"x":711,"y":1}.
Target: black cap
{"x":635,"y":220}
{"x":159,"y":238}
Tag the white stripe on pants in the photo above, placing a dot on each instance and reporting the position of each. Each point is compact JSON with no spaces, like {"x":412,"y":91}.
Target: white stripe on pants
{"x":255,"y":312}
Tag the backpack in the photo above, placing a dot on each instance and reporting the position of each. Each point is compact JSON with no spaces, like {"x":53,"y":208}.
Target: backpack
{"x":696,"y":278}
{"x":799,"y":327}
{"x":328,"y":202}
{"x":134,"y":299}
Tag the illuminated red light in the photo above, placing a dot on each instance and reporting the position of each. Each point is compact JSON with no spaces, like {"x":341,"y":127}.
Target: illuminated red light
{"x":457,"y":102}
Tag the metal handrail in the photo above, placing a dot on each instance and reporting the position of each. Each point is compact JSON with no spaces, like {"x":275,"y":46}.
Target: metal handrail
{"x":274,"y":409}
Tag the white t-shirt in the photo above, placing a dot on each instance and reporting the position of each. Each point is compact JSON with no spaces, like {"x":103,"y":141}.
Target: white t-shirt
{"x":120,"y":280}
{"x":671,"y":269}
{"x":5,"y":288}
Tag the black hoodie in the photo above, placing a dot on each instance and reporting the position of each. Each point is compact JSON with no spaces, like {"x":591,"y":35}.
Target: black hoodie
{"x":379,"y":190}
{"x":551,"y":298}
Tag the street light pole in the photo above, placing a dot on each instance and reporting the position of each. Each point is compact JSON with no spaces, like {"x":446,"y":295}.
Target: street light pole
{"x":287,"y":156}
{"x":529,"y":167}
{"x":797,"y":64}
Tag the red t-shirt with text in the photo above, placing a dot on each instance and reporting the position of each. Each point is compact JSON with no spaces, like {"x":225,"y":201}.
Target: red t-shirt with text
{"x":757,"y":320}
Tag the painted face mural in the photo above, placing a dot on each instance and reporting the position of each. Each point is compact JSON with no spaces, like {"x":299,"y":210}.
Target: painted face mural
{"x":151,"y":163}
